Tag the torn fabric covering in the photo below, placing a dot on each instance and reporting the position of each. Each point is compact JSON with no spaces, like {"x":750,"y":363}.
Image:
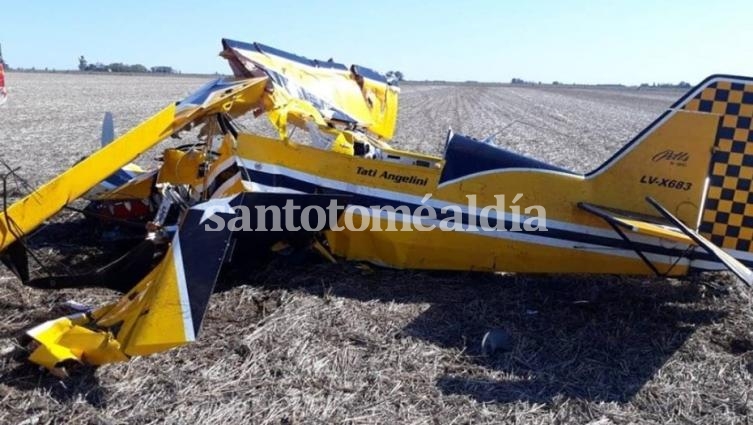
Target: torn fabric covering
{"x":357,"y":96}
{"x":235,"y":97}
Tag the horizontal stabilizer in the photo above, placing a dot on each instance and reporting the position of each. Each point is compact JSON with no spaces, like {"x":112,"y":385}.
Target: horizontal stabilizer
{"x":639,"y":223}
{"x":736,"y":267}
{"x":164,"y":310}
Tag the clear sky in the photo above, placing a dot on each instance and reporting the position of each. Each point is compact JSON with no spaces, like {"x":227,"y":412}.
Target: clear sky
{"x":586,"y":41}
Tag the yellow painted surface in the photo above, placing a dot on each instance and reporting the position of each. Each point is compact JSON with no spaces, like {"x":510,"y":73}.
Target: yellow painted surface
{"x":624,"y":184}
{"x":652,"y":229}
{"x":163,"y":327}
{"x":28,"y":213}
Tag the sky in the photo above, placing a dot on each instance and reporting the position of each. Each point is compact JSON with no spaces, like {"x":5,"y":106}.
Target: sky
{"x":578,"y":41}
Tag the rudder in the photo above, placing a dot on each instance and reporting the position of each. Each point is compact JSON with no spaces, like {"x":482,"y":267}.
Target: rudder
{"x":727,"y":217}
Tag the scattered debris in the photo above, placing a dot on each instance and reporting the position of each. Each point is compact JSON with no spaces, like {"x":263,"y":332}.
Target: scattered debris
{"x":496,"y":341}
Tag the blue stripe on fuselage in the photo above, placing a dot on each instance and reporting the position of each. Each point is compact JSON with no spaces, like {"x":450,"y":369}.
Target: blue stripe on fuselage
{"x":119,"y":178}
{"x":279,"y":180}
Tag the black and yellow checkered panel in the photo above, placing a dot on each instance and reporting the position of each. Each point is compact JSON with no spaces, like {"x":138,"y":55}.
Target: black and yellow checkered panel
{"x":728,"y":214}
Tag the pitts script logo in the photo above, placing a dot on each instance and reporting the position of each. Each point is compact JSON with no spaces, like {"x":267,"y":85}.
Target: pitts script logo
{"x":673,"y":157}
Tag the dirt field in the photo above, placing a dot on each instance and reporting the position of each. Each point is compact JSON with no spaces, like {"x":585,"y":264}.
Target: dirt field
{"x":324,"y":343}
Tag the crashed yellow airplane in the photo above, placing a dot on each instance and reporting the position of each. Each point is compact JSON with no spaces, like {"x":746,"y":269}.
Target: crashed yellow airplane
{"x":674,"y":200}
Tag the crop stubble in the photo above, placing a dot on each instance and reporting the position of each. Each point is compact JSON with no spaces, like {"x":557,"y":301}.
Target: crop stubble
{"x":316,"y":342}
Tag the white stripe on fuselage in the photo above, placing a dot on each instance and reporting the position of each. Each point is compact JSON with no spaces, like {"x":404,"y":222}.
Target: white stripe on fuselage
{"x":438,"y":204}
{"x":529,"y":237}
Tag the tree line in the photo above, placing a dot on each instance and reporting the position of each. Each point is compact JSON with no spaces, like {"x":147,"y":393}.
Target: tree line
{"x":681,"y":84}
{"x":84,"y":65}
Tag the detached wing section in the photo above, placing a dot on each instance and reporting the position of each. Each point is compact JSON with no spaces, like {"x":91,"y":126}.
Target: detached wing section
{"x":351,"y":96}
{"x":666,"y":227}
{"x":27,"y":214}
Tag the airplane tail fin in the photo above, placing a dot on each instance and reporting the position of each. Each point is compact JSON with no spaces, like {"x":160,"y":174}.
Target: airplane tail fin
{"x":697,"y":160}
{"x":727,"y":216}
